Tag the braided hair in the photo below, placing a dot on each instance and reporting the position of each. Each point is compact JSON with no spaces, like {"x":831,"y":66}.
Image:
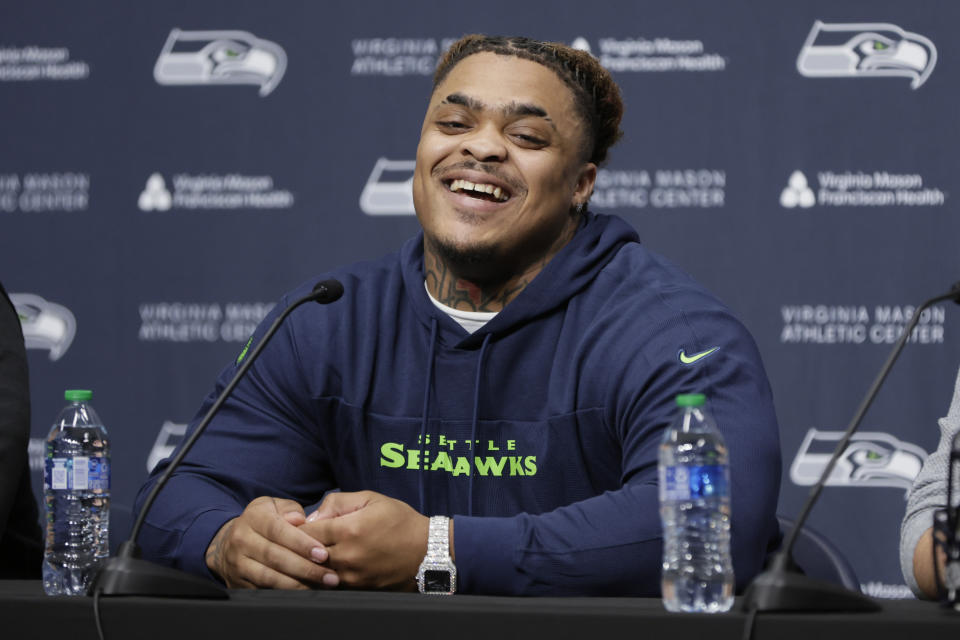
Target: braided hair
{"x":596,"y":95}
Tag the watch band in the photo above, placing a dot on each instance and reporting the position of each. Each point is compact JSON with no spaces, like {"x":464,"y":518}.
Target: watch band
{"x":437,"y":574}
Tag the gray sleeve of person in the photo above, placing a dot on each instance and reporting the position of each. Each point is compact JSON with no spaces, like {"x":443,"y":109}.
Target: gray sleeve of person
{"x":929,"y":491}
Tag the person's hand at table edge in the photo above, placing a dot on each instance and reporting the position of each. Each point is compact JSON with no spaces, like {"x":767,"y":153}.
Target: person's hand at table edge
{"x":264,"y":547}
{"x":374,"y":542}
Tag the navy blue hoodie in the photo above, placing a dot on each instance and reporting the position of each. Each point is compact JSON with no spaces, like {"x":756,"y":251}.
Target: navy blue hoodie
{"x":538,"y":433}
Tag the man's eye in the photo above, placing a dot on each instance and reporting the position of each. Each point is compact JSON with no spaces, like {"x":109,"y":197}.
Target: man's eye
{"x":451,"y":125}
{"x":531,"y":140}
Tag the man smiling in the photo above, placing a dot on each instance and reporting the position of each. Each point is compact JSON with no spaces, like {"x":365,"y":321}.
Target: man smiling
{"x":497,"y":178}
{"x":489,"y":400}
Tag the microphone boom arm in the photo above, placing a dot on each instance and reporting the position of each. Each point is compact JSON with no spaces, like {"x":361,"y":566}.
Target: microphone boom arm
{"x":861,"y":412}
{"x":127,"y":574}
{"x":781,"y":588}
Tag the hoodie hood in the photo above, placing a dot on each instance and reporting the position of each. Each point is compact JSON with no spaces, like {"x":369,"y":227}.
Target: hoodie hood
{"x":595,"y":243}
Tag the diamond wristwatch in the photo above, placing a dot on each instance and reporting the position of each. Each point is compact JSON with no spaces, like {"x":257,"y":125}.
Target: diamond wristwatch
{"x":438,"y":574}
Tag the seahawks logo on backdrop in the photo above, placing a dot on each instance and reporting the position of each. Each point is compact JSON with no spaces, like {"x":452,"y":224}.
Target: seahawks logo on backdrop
{"x":389,"y":189}
{"x":871,"y":459}
{"x":46,"y":325}
{"x":168,"y":439}
{"x":220,"y":57}
{"x":864,"y":50}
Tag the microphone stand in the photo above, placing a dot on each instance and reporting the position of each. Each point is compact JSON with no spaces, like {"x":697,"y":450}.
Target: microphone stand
{"x":781,"y":587}
{"x":128,"y":574}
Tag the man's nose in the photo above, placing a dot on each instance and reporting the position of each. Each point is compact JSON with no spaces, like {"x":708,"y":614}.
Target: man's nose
{"x":485,"y":144}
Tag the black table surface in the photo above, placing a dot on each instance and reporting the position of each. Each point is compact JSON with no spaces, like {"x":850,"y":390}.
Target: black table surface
{"x":25,"y":612}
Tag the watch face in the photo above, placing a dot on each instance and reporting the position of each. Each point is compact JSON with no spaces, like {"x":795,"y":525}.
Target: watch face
{"x":436,"y":580}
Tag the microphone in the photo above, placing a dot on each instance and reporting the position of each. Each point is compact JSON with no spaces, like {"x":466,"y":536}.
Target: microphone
{"x":782,"y":588}
{"x":129,"y":575}
{"x":324,"y":292}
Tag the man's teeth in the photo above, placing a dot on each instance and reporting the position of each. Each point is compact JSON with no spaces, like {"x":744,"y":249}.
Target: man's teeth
{"x":466,"y":185}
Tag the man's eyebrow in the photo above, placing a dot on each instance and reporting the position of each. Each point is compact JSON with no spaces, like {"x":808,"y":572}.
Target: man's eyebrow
{"x":464,"y":101}
{"x":523,"y":109}
{"x":512,"y":109}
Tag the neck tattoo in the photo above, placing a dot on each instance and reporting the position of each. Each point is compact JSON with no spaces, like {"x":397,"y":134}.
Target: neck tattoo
{"x":460,"y":293}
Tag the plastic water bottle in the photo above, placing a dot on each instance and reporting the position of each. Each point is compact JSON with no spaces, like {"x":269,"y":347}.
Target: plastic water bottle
{"x":76,"y":492}
{"x":695,"y":511}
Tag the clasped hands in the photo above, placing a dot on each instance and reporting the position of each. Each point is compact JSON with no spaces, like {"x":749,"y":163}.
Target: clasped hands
{"x":362,"y":540}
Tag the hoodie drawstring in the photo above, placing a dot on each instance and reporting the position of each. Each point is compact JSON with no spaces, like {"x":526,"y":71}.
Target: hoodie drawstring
{"x":476,"y":414}
{"x":426,"y":415}
{"x":426,"y":407}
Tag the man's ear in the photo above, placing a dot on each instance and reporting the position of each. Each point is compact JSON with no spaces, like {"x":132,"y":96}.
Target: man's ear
{"x":586,"y":179}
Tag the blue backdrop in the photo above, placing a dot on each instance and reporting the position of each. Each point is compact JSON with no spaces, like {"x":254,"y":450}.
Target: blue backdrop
{"x":167,"y":170}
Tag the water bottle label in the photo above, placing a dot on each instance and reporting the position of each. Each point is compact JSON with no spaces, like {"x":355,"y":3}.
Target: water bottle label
{"x":78,"y":474}
{"x":57,"y":473}
{"x":692,"y":483}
